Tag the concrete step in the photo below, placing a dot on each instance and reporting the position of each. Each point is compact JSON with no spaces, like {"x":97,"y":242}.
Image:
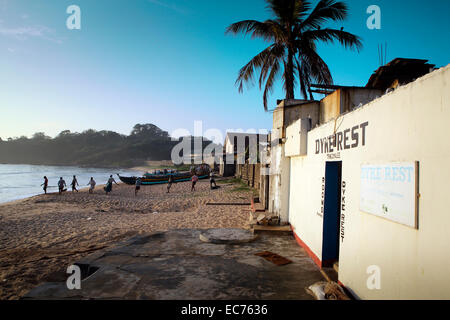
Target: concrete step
{"x":258,"y":228}
{"x":257,"y":206}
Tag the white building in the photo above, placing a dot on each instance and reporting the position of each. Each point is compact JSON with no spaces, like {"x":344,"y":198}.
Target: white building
{"x":370,"y":188}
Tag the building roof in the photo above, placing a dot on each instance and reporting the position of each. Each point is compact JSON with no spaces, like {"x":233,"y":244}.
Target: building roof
{"x":327,"y":89}
{"x":399,"y":70}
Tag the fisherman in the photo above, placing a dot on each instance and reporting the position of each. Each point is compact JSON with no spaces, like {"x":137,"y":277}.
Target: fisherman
{"x":61,"y":185}
{"x":74,"y":184}
{"x":92,"y":184}
{"x":212,"y":180}
{"x":138,"y":186}
{"x":109,"y":184}
{"x":169,"y":184}
{"x":194,"y":182}
{"x":45,"y":184}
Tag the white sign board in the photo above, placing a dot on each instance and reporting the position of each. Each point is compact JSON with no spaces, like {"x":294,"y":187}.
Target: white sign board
{"x":390,"y":191}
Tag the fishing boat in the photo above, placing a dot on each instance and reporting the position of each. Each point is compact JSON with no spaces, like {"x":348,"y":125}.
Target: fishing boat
{"x":152,"y":179}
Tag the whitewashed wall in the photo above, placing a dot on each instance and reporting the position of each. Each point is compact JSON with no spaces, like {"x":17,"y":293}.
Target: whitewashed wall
{"x":279,"y":183}
{"x":409,"y":124}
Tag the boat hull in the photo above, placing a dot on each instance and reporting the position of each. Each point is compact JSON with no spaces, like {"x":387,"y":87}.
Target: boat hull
{"x":158,"y":179}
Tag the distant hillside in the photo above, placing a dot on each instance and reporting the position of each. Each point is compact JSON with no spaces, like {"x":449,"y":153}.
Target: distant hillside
{"x":91,"y":148}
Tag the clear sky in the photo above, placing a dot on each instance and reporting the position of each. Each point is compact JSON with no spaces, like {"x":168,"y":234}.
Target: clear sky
{"x":168,"y":62}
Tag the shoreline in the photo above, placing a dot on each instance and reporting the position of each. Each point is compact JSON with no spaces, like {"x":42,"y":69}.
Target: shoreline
{"x":24,"y":181}
{"x":44,"y":234}
{"x":31,"y":197}
{"x":139,"y":170}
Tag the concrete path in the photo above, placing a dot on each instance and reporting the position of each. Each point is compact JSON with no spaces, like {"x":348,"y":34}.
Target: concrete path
{"x":176,"y":265}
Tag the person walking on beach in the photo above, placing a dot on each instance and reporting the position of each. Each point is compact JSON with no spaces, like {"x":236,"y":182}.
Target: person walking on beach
{"x":92,"y":184}
{"x":169,"y":184}
{"x":45,"y":184}
{"x":74,"y":184}
{"x":61,"y":185}
{"x":138,"y":186}
{"x":212,"y":180}
{"x":194,"y":182}
{"x":108,"y":187}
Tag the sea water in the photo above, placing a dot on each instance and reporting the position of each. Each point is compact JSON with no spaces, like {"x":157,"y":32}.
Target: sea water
{"x":23,"y":181}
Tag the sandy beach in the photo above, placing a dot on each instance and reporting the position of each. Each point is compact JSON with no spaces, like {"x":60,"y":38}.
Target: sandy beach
{"x":41,"y":236}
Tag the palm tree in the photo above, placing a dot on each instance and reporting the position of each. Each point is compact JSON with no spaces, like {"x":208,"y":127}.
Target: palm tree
{"x":293,"y":34}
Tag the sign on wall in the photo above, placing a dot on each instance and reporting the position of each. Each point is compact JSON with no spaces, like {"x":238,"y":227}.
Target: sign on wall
{"x":390,"y":191}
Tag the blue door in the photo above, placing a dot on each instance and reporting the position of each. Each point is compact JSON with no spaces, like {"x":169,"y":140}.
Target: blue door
{"x":332,"y":213}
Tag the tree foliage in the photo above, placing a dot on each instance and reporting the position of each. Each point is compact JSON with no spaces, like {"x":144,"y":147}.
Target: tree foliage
{"x":91,"y":148}
{"x":293,"y":34}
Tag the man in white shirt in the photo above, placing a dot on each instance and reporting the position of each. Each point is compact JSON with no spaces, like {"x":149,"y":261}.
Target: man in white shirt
{"x":92,"y":184}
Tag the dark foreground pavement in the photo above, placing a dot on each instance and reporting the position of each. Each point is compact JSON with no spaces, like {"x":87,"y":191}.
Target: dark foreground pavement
{"x":176,"y":265}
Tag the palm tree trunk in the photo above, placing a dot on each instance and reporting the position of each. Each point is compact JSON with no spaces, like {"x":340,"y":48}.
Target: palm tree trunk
{"x":289,"y":75}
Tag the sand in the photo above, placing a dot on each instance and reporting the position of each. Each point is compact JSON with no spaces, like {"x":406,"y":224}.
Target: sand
{"x":41,"y":236}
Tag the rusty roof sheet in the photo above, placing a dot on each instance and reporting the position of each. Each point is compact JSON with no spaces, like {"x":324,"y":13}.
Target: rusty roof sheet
{"x":401,"y":69}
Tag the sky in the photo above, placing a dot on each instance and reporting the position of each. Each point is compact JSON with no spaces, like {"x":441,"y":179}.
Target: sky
{"x":169,"y":62}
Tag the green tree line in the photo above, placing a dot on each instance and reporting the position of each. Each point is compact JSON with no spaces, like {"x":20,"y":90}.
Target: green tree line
{"x":91,"y":148}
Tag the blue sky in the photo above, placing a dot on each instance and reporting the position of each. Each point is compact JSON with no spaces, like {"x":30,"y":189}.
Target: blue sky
{"x":168,"y":62}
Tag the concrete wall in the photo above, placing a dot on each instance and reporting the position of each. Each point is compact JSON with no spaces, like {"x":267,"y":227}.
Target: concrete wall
{"x":351,"y":98}
{"x":264,"y":186}
{"x":250,"y":174}
{"x":345,"y":100}
{"x":279,"y":181}
{"x":304,"y":111}
{"x":286,"y":113}
{"x":330,"y":107}
{"x":409,"y":124}
{"x":277,"y":205}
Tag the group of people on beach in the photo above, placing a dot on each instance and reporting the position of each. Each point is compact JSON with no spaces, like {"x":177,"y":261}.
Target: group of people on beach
{"x":108,"y":188}
{"x":171,"y":181}
{"x":62,"y":185}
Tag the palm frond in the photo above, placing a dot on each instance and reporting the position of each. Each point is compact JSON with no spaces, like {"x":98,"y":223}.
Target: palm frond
{"x":282,"y":9}
{"x":303,"y":78}
{"x":346,"y":39}
{"x":247,"y":72}
{"x":317,"y":68}
{"x":274,"y":72}
{"x":324,"y":11}
{"x":265,"y":30}
{"x":276,"y":54}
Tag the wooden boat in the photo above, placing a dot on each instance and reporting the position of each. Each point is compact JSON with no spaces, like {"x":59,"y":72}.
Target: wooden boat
{"x":160,"y":179}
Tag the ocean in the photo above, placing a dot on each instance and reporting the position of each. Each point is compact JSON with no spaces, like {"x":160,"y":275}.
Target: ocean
{"x":23,"y":181}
